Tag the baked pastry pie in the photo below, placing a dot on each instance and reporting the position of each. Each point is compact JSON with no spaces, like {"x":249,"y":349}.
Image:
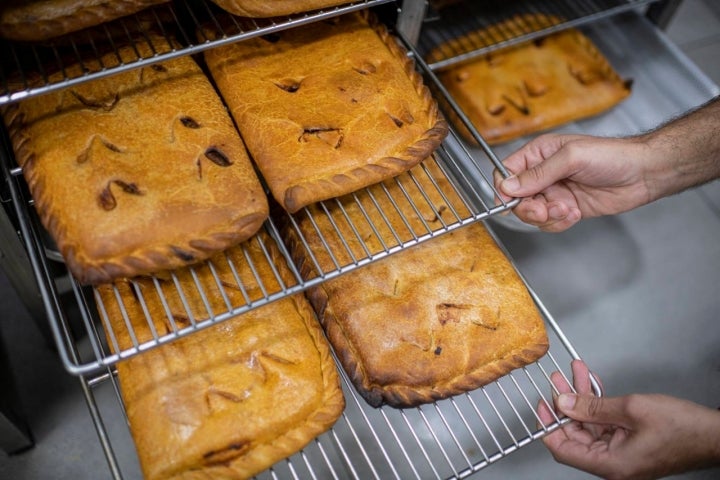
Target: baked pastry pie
{"x":328,"y":108}
{"x":531,"y":87}
{"x":36,"y":20}
{"x":138,"y":172}
{"x":272,"y":8}
{"x":230,"y":400}
{"x":441,"y":318}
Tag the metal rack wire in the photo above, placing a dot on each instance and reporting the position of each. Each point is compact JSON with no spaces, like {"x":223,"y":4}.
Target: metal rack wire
{"x":466,"y":203}
{"x":525,"y":20}
{"x":25,"y":68}
{"x":453,"y":438}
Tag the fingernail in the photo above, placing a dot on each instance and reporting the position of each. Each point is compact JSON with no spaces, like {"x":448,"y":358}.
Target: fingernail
{"x":555,"y":212}
{"x":510,"y":184}
{"x":566,"y":401}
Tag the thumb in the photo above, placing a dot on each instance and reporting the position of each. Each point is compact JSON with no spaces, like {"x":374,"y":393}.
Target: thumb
{"x":592,"y":409}
{"x":535,"y":179}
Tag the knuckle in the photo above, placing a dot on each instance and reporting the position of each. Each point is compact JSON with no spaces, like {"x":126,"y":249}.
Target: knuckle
{"x":574,"y":154}
{"x":536,"y":174}
{"x":633,"y":404}
{"x":593,"y":406}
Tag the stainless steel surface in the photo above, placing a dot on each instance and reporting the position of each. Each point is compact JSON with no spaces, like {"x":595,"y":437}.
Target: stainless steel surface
{"x":14,"y":262}
{"x":15,"y":436}
{"x":662,"y":12}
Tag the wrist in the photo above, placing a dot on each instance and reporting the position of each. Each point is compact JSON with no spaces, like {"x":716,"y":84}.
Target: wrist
{"x":683,"y":153}
{"x":663,"y":174}
{"x":711,"y":439}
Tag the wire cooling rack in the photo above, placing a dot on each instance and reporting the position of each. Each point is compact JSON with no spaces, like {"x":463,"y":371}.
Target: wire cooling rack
{"x":26,"y":68}
{"x":505,"y":25}
{"x":453,"y":438}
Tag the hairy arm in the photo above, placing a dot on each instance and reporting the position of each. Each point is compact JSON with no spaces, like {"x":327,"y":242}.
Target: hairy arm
{"x":564,"y":178}
{"x":687,"y":151}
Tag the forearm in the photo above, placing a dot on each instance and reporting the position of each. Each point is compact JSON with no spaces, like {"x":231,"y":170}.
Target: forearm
{"x":684,"y":152}
{"x":708,"y":439}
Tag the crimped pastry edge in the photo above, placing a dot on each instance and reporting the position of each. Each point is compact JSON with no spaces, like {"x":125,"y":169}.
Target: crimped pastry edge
{"x":400,"y":396}
{"x":303,"y":194}
{"x":298,"y":196}
{"x":315,"y":424}
{"x":403,"y":396}
{"x":440,"y":52}
{"x":145,"y":261}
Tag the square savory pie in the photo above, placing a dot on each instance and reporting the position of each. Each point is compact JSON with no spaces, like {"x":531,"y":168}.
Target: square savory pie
{"x":434,"y":320}
{"x":328,"y":108}
{"x":230,"y":400}
{"x":530,"y":87}
{"x":138,"y":172}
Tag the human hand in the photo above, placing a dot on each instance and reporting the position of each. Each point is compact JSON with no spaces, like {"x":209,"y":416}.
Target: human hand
{"x":630,"y":437}
{"x":564,"y":178}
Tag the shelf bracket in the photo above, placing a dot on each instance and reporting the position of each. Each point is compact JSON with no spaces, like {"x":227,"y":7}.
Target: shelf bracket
{"x":410,"y":19}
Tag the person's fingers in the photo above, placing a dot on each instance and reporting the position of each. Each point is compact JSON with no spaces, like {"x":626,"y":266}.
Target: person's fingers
{"x":522,"y":159}
{"x":497,"y":179}
{"x":529,"y":182}
{"x":562,"y":207}
{"x":583,"y":386}
{"x":569,"y":433}
{"x":581,"y":377}
{"x":538,"y":164}
{"x":547,"y":216}
{"x":532,"y":210}
{"x":545,"y":413}
{"x":560,"y":383}
{"x":534,"y":152}
{"x":592,"y":409}
{"x":563,"y":223}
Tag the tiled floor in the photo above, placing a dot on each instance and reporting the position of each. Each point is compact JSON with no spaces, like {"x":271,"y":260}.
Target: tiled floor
{"x":638,"y":297}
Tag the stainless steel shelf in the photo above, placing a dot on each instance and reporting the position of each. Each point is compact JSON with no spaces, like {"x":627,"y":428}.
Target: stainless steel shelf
{"x":463,"y":202}
{"x":458,"y":172}
{"x":25,"y":68}
{"x":522,"y":20}
{"x":453,"y":438}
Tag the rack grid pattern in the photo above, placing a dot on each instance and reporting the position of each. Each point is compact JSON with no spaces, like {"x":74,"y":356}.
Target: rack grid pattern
{"x":524,"y":21}
{"x":453,"y":438}
{"x":26,"y":68}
